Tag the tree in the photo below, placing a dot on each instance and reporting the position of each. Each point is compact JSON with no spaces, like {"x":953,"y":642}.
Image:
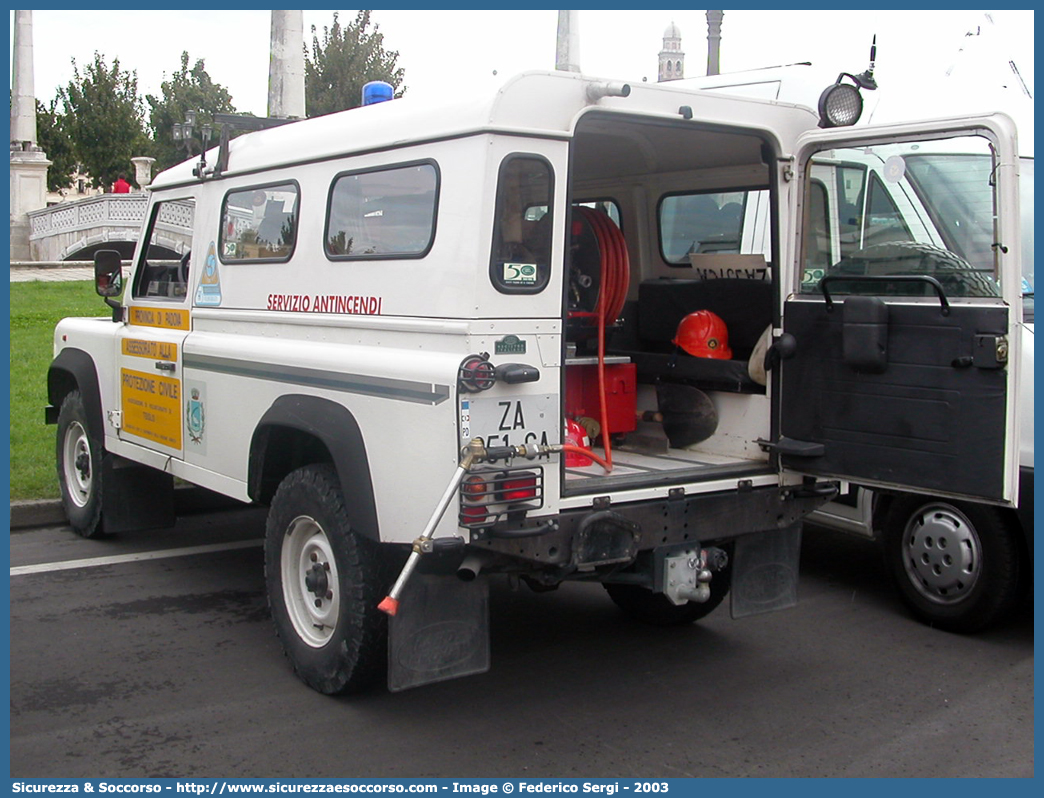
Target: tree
{"x":55,"y":142}
{"x":187,"y":90}
{"x":102,"y":115}
{"x":347,"y":58}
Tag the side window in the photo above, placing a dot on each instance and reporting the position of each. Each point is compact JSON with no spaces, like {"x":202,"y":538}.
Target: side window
{"x":851,"y":191}
{"x":382,"y":213}
{"x":882,"y":222}
{"x":817,"y":235}
{"x":609,"y":207}
{"x":700,"y":223}
{"x":164,"y":269}
{"x":259,"y":224}
{"x":521,"y":253}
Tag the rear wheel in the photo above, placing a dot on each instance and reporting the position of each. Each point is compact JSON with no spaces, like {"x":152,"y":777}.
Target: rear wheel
{"x":78,"y":457}
{"x":956,"y":565}
{"x":324,"y":583}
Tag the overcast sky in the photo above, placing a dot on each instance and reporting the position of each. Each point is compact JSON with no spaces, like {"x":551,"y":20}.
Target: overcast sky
{"x":442,"y":48}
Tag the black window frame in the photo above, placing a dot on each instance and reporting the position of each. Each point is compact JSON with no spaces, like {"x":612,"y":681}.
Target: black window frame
{"x":544,"y":279}
{"x":261,"y":187}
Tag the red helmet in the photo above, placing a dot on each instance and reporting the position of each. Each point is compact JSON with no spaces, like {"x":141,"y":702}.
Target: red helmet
{"x":703,"y":334}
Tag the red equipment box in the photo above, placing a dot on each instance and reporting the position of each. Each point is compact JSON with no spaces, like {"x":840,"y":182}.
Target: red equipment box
{"x":620,"y":398}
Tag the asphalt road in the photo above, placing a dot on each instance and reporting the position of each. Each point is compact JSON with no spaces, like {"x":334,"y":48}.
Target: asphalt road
{"x":170,"y":667}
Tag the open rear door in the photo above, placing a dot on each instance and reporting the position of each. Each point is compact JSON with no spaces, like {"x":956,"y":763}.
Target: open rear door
{"x":903,"y":307}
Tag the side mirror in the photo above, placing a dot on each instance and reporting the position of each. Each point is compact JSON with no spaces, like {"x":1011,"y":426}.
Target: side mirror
{"x":108,"y":279}
{"x":108,"y":273}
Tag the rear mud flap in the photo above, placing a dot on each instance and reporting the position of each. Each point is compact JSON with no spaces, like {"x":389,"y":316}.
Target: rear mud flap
{"x":440,"y":632}
{"x":765,"y":571}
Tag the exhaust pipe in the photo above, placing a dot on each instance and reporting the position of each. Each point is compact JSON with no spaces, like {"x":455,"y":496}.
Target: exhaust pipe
{"x":596,"y":91}
{"x":469,"y":568}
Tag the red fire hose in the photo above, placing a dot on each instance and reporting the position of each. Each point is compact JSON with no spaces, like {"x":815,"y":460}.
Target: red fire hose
{"x":612,"y":292}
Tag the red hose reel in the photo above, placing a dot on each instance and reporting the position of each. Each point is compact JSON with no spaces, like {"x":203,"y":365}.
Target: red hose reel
{"x":600,"y":301}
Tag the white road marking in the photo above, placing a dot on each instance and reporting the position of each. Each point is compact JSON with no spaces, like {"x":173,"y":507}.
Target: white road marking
{"x":116,"y":559}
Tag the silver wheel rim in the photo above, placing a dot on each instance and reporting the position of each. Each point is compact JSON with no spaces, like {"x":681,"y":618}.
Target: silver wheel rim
{"x":311,"y":589}
{"x":78,"y":467}
{"x":942,"y":554}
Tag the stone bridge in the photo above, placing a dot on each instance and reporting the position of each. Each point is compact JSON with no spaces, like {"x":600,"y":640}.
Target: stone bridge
{"x":76,"y":230}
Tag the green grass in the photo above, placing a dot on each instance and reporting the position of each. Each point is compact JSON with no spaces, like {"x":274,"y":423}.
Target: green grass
{"x":35,"y":309}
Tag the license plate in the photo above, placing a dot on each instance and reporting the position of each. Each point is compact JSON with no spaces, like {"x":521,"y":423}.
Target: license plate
{"x":509,"y":421}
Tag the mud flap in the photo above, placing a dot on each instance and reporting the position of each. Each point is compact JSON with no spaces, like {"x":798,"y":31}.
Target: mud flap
{"x":440,"y":632}
{"x":765,"y":571}
{"x":135,"y":497}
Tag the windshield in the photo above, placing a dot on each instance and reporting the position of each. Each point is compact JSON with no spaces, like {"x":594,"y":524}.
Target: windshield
{"x":955,"y":189}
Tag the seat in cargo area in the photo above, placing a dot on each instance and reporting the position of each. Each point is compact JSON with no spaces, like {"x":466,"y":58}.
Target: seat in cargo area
{"x":744,"y":305}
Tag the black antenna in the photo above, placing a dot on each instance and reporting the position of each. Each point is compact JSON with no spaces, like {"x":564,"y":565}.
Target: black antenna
{"x":866,"y":80}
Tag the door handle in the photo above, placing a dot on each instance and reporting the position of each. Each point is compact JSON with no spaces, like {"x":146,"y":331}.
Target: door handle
{"x":165,"y":365}
{"x":934,"y":284}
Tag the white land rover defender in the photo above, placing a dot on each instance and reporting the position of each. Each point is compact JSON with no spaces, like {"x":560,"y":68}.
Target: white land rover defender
{"x":528,"y":332}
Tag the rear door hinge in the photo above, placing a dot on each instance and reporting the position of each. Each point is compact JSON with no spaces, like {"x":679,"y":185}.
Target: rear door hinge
{"x":116,"y":418}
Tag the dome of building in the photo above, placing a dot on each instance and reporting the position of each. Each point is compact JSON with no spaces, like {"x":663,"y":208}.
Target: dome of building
{"x":672,"y":32}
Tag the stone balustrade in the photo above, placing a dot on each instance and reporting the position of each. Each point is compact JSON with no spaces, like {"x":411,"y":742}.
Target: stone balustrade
{"x":61,"y":232}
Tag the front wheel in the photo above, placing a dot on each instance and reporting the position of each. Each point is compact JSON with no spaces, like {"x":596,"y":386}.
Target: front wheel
{"x":79,"y":457}
{"x":324,"y":583}
{"x":956,"y":565}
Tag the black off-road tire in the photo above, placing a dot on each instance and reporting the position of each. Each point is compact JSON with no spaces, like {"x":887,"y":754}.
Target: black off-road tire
{"x":957,"y":565}
{"x":79,"y":458}
{"x":656,"y":609}
{"x":324,"y":583}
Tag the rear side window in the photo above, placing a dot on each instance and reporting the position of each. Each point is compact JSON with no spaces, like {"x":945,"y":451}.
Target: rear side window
{"x":700,"y":223}
{"x":383,"y":213}
{"x":259,"y":224}
{"x":520,"y":262}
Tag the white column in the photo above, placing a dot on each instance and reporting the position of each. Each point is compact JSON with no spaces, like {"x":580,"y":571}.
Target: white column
{"x":286,"y":72}
{"x":714,"y":19}
{"x":567,"y":50}
{"x":23,"y":101}
{"x":28,"y":163}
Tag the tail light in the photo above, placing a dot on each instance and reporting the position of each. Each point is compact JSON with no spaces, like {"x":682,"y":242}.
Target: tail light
{"x":486,"y":495}
{"x":520,"y":489}
{"x":473,"y":515}
{"x":476,"y":374}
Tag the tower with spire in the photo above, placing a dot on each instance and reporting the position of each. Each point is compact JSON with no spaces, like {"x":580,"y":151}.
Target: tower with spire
{"x":672,"y":59}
